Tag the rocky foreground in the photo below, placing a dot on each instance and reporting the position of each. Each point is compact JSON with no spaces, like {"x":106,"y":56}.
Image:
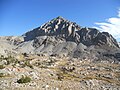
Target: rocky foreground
{"x":56,"y":73}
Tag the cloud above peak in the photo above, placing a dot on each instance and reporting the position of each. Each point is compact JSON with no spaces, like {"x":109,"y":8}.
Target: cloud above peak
{"x":111,"y":25}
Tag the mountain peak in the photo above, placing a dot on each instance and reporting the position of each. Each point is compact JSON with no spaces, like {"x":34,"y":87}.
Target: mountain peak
{"x":60,"y":36}
{"x":57,"y":26}
{"x":70,"y":31}
{"x":59,"y":17}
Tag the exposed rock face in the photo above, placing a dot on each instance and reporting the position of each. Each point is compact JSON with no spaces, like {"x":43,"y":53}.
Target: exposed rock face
{"x":8,"y":44}
{"x":58,"y":27}
{"x":91,"y":36}
{"x":14,"y":40}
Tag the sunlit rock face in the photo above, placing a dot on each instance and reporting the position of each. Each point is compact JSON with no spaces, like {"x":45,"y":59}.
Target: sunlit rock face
{"x":58,"y":27}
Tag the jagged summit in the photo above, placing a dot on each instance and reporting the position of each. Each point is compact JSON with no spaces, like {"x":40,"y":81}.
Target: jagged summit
{"x":59,"y":17}
{"x":57,"y":26}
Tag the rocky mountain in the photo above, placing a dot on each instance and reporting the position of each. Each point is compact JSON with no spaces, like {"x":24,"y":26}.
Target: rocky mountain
{"x":70,"y":31}
{"x":65,"y":38}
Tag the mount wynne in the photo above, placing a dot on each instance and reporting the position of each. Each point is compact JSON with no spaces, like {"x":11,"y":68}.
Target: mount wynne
{"x":61,"y":37}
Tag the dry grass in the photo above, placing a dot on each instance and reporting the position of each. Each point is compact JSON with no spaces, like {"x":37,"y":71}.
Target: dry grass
{"x":56,"y":71}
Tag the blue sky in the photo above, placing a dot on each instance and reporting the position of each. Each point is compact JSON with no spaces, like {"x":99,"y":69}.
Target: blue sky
{"x":20,"y":16}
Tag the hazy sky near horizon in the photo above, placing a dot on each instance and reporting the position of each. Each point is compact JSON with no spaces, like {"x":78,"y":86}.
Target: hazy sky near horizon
{"x":20,"y":16}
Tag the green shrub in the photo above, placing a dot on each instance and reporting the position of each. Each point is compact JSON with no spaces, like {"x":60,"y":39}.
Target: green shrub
{"x":1,"y":57}
{"x":10,"y":60}
{"x":2,"y":75}
{"x":25,"y":79}
{"x":60,"y":77}
{"x":27,"y":63}
{"x":2,"y":67}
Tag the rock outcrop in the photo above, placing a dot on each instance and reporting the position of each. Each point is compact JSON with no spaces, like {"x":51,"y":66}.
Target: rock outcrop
{"x":8,"y":44}
{"x":92,"y":36}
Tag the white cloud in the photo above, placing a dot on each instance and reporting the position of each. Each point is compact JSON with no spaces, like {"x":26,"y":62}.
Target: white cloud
{"x":111,"y":25}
